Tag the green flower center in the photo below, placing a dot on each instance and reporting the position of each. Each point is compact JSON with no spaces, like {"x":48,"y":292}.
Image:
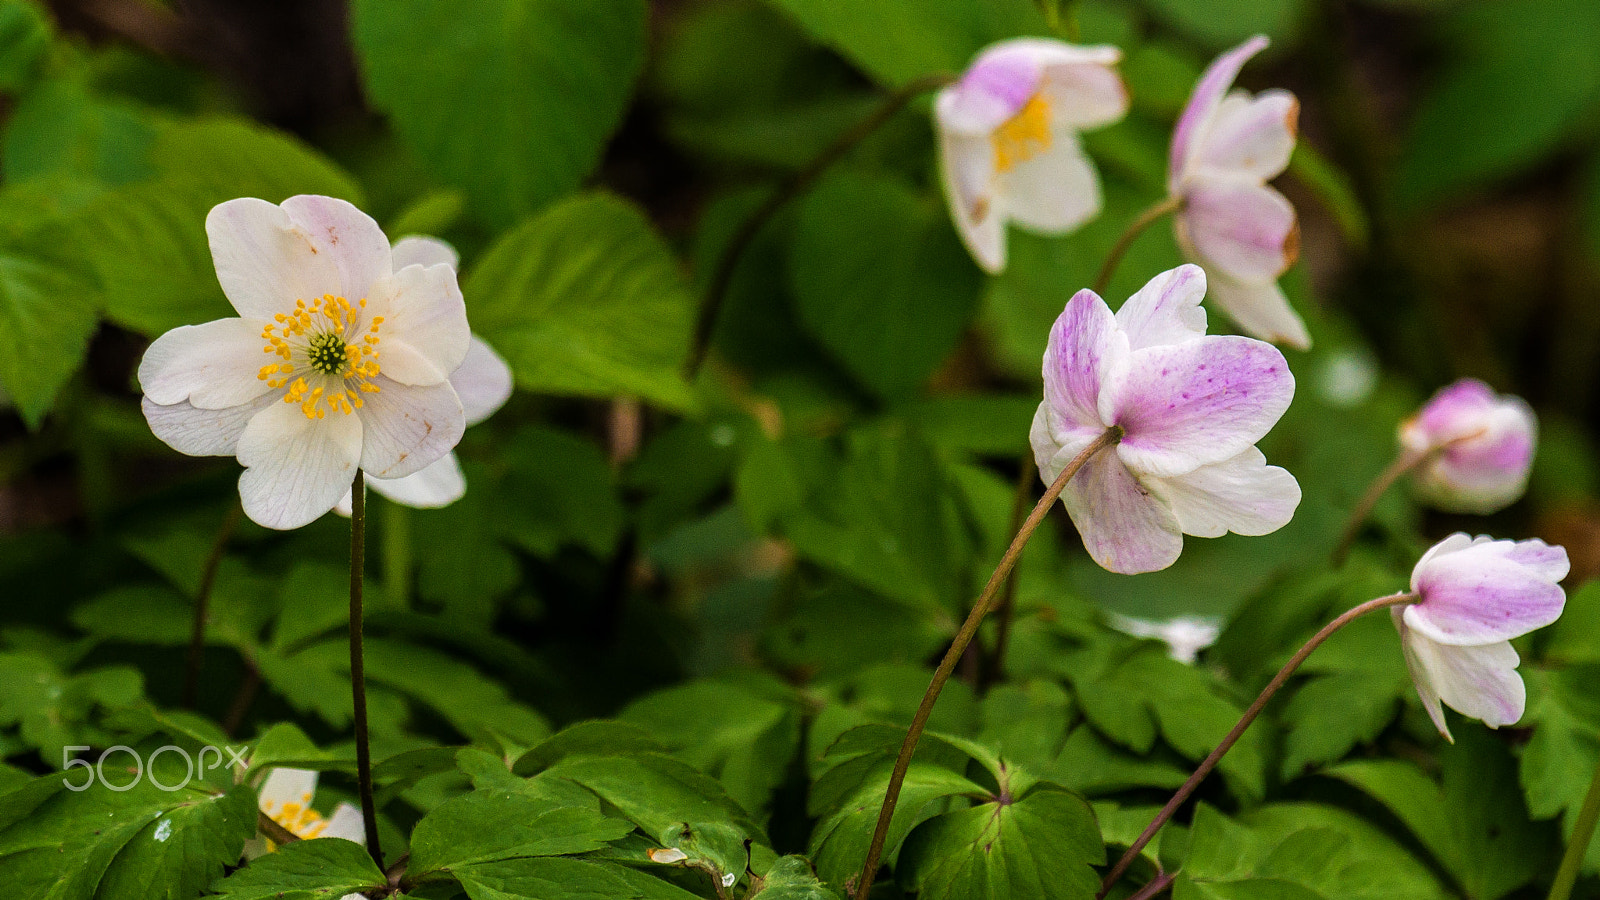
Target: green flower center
{"x":326,"y":353}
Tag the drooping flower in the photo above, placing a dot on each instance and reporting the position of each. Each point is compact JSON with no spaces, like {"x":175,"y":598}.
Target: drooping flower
{"x":1224,"y":149}
{"x":357,"y":358}
{"x":1008,"y":139}
{"x":1191,"y":407}
{"x":285,"y":797}
{"x":1478,"y":447}
{"x":1474,"y":596}
{"x":483,"y":382}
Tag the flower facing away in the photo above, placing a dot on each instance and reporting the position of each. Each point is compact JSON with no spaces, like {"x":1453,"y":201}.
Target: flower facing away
{"x":1477,"y":447}
{"x":1474,"y":596}
{"x":1224,"y":148}
{"x":285,"y":797}
{"x":1008,"y":139}
{"x":1190,"y":406}
{"x":335,"y":361}
{"x":483,"y":382}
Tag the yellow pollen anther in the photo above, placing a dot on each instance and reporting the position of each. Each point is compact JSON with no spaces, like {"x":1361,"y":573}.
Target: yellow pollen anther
{"x":1024,"y":135}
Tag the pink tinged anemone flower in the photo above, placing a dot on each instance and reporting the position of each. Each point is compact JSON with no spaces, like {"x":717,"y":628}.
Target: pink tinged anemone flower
{"x":1474,"y":596}
{"x":483,"y":382}
{"x":1191,"y":407}
{"x":1478,"y":447}
{"x":1224,"y":149}
{"x":336,"y":360}
{"x":1008,"y":139}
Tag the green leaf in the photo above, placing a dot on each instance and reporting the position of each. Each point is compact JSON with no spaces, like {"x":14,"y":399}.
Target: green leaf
{"x":321,"y":869}
{"x":1564,"y":751}
{"x":474,"y":704}
{"x":47,"y":315}
{"x":183,"y":850}
{"x":881,"y":280}
{"x":25,"y":34}
{"x":586,"y":299}
{"x":510,"y":100}
{"x":1224,"y":23}
{"x":1501,"y":849}
{"x":1412,"y":796}
{"x":840,"y":841}
{"x":657,"y":792}
{"x":790,"y":878}
{"x":485,"y":826}
{"x":1040,"y":847}
{"x":61,"y":127}
{"x":898,"y":40}
{"x":595,"y":738}
{"x":54,"y":709}
{"x":546,"y":879}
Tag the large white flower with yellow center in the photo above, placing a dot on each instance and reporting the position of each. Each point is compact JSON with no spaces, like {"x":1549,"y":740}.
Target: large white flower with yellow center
{"x":285,"y":797}
{"x":336,"y":361}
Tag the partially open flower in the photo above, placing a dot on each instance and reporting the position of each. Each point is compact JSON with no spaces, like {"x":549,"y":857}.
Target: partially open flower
{"x":1479,"y":447}
{"x":1244,"y":233}
{"x":357,"y":359}
{"x":483,"y":382}
{"x":1191,"y":408}
{"x":1008,"y":139}
{"x":1474,"y":596}
{"x":285,"y":798}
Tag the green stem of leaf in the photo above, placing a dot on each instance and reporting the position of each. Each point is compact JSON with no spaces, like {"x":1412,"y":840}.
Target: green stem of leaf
{"x":969,"y":630}
{"x":1135,"y":228}
{"x":358,"y":672}
{"x":722,"y":276}
{"x":1578,"y":847}
{"x":397,"y":561}
{"x":1210,"y":762}
{"x":202,"y":603}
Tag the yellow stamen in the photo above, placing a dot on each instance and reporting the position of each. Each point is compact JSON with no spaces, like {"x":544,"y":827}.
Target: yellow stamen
{"x":1023,"y":136}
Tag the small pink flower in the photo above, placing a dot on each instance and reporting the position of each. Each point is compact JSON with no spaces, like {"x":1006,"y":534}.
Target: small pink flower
{"x":1474,"y":596}
{"x":1487,"y":442}
{"x":1008,"y":139}
{"x":1225,"y":147}
{"x":1191,"y":407}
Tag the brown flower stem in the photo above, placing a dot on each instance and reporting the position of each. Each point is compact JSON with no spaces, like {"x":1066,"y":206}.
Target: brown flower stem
{"x":1405,"y":462}
{"x":276,"y":833}
{"x":1135,"y":228}
{"x":358,"y":671}
{"x":202,"y":604}
{"x":1582,"y":834}
{"x":722,"y":276}
{"x":1233,"y":736}
{"x":1008,"y":594}
{"x":969,"y":629}
{"x":243,"y":699}
{"x":1162,"y":882}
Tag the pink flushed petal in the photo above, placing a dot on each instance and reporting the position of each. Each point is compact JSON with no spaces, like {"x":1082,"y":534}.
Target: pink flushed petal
{"x":1241,"y":229}
{"x":1243,"y":495}
{"x":966,"y":164}
{"x":1251,"y":137}
{"x":1485,"y":593}
{"x":1488,"y":445}
{"x":993,"y":89}
{"x":1455,"y":411}
{"x":1202,"y":401}
{"x":346,"y":235}
{"x":1166,"y":310}
{"x":1056,"y":442}
{"x":1125,"y":528}
{"x":1207,"y":96}
{"x":212,"y":366}
{"x":264,"y":262}
{"x":1084,"y":362}
{"x":1053,"y":192}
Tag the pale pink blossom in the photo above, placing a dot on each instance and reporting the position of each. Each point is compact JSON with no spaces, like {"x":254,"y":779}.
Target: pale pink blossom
{"x":336,"y":360}
{"x":1224,"y":149}
{"x":1008,"y":139}
{"x":1473,"y":596}
{"x":1191,"y":407}
{"x":1479,"y":447}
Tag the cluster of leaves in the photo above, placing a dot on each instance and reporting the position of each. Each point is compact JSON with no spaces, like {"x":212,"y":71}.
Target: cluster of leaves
{"x":679,"y":665}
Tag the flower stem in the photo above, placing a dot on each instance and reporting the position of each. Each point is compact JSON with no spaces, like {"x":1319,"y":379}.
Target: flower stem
{"x":397,"y":561}
{"x":1405,"y":462}
{"x":1233,"y":736}
{"x":969,"y":629}
{"x":1162,"y":882}
{"x":1582,"y":835}
{"x":722,"y":276}
{"x":358,"y":671}
{"x":202,"y":603}
{"x":1135,"y":228}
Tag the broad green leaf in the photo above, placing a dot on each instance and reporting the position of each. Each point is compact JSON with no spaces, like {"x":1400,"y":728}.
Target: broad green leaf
{"x":510,"y":100}
{"x":586,"y":299}
{"x":1412,"y":796}
{"x":474,"y":704}
{"x":1093,"y":765}
{"x":1220,"y":24}
{"x":657,"y":792}
{"x":321,"y":869}
{"x":164,"y":618}
{"x":546,"y":879}
{"x":54,"y":709}
{"x":558,"y":492}
{"x":250,"y":158}
{"x":486,"y":826}
{"x":840,"y":841}
{"x":183,"y":850}
{"x":25,"y":34}
{"x":1501,"y":849}
{"x":1563,"y":754}
{"x":1039,"y":847}
{"x":61,"y":127}
{"x":47,"y":315}
{"x":601,"y":737}
{"x":881,"y":280}
{"x":790,"y":878}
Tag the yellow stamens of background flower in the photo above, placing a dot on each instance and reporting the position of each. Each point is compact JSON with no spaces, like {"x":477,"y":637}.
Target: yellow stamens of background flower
{"x":299,"y":819}
{"x":1024,"y":135}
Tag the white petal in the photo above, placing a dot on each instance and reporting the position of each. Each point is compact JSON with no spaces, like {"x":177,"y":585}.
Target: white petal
{"x":1421,"y":678}
{"x":1479,"y":682}
{"x":1251,"y":136}
{"x":346,"y":822}
{"x":417,"y":250}
{"x":407,"y":427}
{"x":286,"y":785}
{"x":1125,"y":528}
{"x":483,"y":382}
{"x":1085,"y":95}
{"x":1243,"y":495}
{"x":346,"y":235}
{"x":264,"y":262}
{"x":1054,"y":191}
{"x":202,"y":432}
{"x":212,"y":366}
{"x":424,"y":331}
{"x":966,"y":164}
{"x":440,"y":484}
{"x":1240,"y":229}
{"x":1166,"y":310}
{"x":297,"y":468}
{"x":1261,"y":309}
{"x":1045,"y":52}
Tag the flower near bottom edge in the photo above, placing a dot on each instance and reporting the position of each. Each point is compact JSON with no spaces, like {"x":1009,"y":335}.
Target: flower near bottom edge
{"x":285,"y":797}
{"x":1474,"y":596}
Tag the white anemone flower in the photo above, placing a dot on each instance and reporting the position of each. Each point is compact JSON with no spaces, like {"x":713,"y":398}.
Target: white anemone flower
{"x":285,"y":797}
{"x":357,"y":359}
{"x":483,"y":382}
